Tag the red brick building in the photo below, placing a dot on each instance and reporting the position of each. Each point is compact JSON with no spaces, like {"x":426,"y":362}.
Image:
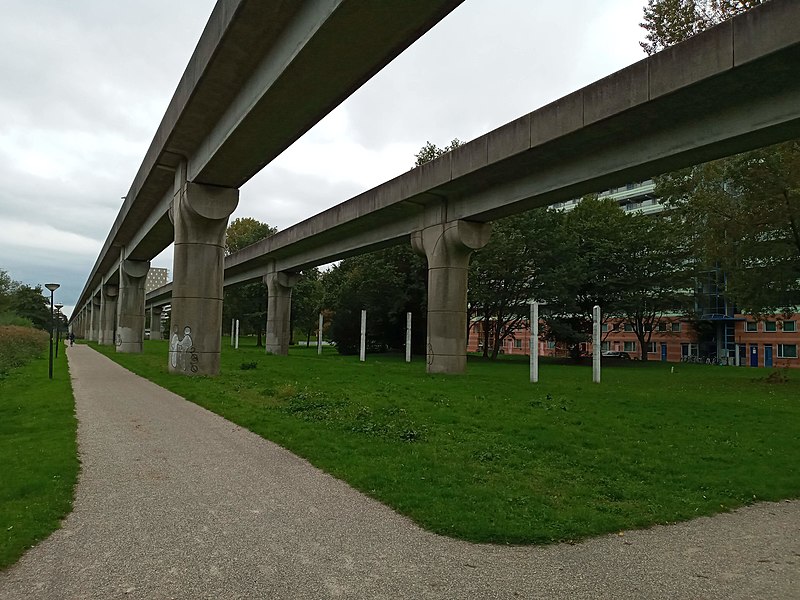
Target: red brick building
{"x":743,"y":340}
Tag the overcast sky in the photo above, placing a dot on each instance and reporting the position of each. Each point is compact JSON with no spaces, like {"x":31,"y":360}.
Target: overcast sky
{"x":85,"y":83}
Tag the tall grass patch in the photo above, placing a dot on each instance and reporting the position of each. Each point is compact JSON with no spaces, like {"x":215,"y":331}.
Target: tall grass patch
{"x":18,"y":345}
{"x":490,"y":457}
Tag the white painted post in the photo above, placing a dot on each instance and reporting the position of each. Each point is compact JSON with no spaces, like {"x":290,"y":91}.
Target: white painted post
{"x":363,"y":354}
{"x":408,"y":337}
{"x":596,"y":344}
{"x":319,"y":335}
{"x":534,"y":342}
{"x":237,"y":335}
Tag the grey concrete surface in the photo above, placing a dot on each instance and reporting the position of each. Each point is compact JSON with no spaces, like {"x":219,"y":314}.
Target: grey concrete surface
{"x":175,"y":502}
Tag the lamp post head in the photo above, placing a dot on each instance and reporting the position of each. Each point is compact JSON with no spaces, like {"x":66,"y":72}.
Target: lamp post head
{"x":52,"y":286}
{"x":59,"y":306}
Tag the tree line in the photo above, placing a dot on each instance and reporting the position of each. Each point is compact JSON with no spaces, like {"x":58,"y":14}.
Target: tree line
{"x":22,"y":304}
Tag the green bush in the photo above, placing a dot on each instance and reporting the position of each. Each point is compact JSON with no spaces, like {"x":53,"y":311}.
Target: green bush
{"x":18,"y":345}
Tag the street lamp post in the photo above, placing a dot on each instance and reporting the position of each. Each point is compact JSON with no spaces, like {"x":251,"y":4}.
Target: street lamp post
{"x":52,"y":287}
{"x":58,"y":327}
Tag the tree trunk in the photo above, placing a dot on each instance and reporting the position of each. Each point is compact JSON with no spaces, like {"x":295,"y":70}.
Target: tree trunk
{"x":486,"y":337}
{"x":496,"y":339}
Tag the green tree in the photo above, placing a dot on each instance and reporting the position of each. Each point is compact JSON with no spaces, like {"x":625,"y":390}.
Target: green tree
{"x":631,"y":264}
{"x":742,"y":210}
{"x":6,"y":287}
{"x":431,"y":151}
{"x":307,"y":300}
{"x":244,"y":232}
{"x":246,"y":302}
{"x":744,"y":214}
{"x":506,"y":274}
{"x":668,"y":22}
{"x":30,"y":304}
{"x":656,"y":276}
{"x":591,"y":249}
{"x":387,"y":284}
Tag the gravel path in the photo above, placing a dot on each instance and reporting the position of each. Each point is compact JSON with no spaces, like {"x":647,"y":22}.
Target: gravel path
{"x":176,"y":502}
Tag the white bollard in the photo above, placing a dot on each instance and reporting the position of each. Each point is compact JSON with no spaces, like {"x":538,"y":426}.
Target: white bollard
{"x":534,"y":342}
{"x":363,"y":354}
{"x":408,"y":337}
{"x":319,"y":335}
{"x":237,"y":335}
{"x":596,"y":344}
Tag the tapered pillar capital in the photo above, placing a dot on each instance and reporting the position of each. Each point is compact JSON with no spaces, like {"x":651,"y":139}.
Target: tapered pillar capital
{"x":448,"y":246}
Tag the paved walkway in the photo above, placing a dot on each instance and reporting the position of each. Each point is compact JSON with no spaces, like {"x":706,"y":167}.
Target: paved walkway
{"x":176,"y":502}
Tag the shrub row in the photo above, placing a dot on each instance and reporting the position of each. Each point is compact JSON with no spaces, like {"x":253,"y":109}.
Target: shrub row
{"x":18,"y":345}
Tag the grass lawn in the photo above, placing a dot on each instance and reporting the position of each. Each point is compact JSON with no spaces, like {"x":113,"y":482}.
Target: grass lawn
{"x":490,"y":457}
{"x":38,"y":454}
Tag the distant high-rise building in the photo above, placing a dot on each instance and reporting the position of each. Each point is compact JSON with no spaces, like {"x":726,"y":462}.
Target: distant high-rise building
{"x":156,"y":277}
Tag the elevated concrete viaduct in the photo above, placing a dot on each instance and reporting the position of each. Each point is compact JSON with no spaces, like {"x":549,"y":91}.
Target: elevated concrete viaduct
{"x":733,"y":88}
{"x":262,"y":74}
{"x":730,"y":89}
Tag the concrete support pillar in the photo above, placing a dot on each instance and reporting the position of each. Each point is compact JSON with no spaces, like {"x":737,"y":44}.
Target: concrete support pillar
{"x":155,"y":322}
{"x":448,"y":247}
{"x":200,"y":215}
{"x":108,"y":313}
{"x":279,"y":310}
{"x":130,"y":331}
{"x":94,"y":324}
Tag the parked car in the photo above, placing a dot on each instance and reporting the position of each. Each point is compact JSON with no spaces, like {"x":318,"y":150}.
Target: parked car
{"x":616,"y":354}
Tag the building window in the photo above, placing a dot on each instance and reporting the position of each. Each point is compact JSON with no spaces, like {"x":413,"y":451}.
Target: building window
{"x":770,"y":326}
{"x":676,"y":327}
{"x":662,"y":326}
{"x":651,"y":347}
{"x":604,"y":327}
{"x":751,"y":326}
{"x":517,"y":343}
{"x":787,"y":350}
{"x":551,"y":345}
{"x":629,"y":346}
{"x":605,"y":346}
{"x":628,"y":327}
{"x":789,"y":326}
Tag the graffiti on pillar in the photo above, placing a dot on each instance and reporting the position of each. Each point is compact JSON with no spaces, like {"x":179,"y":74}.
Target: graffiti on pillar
{"x":119,"y":339}
{"x":182,"y":355}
